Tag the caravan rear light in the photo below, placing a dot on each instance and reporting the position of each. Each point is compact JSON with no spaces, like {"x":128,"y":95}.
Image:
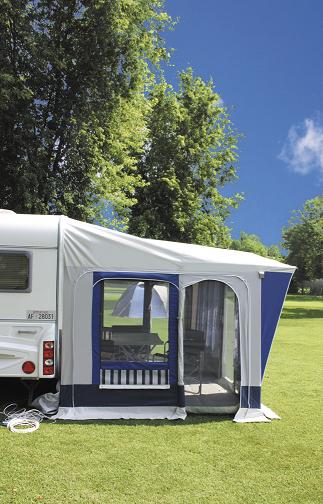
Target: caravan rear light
{"x":48,"y":358}
{"x":48,"y":370}
{"x":48,"y":354}
{"x":28,"y":367}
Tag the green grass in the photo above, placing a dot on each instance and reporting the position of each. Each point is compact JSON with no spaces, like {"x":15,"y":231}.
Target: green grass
{"x":202,"y":460}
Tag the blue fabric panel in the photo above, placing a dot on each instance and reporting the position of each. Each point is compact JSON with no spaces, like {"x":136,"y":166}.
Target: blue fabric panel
{"x":66,"y":396}
{"x":133,"y":365}
{"x":273,"y":291}
{"x":250,"y":397}
{"x":172,"y":322}
{"x":91,"y":395}
{"x":180,"y":396}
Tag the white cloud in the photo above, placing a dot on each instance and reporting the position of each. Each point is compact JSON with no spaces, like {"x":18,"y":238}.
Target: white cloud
{"x":303,"y":148}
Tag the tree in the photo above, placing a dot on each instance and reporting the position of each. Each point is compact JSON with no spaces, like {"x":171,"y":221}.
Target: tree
{"x":189,"y":154}
{"x":303,"y":240}
{"x":252,"y":243}
{"x":73,"y":74}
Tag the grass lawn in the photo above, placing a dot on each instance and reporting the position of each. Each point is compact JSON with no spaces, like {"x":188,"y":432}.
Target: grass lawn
{"x":202,"y":460}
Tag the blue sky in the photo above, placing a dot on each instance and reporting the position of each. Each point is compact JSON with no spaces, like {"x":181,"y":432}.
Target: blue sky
{"x":266,"y":60}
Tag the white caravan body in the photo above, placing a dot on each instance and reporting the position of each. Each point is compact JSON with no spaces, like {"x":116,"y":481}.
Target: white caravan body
{"x":29,"y":312}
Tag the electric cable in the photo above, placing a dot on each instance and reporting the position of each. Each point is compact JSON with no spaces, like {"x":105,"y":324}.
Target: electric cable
{"x":22,"y":421}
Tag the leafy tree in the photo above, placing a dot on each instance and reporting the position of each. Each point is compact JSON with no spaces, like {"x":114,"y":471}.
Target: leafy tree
{"x":304,"y":241}
{"x":274,"y":252}
{"x":189,"y":155}
{"x":252,"y":243}
{"x":72,"y":109}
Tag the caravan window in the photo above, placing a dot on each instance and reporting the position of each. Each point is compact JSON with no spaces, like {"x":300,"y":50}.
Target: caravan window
{"x":14,"y":272}
{"x":135,"y":321}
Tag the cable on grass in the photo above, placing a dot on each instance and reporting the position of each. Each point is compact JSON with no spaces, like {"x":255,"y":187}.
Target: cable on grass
{"x":22,"y":421}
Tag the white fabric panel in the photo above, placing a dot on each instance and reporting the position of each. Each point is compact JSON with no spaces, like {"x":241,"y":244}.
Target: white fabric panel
{"x":126,"y":413}
{"x":269,"y":413}
{"x":77,"y":327}
{"x":249,"y":415}
{"x":82,"y":330}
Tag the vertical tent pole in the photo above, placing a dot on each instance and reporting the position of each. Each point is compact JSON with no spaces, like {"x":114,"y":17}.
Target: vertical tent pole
{"x":147,"y":306}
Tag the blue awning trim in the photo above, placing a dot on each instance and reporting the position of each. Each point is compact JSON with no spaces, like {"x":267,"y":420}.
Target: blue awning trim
{"x":93,"y":396}
{"x":250,"y":397}
{"x":173,"y":334}
{"x":173,"y":281}
{"x":273,"y":291}
{"x":133,"y":365}
{"x":96,"y":330}
{"x":101,"y":275}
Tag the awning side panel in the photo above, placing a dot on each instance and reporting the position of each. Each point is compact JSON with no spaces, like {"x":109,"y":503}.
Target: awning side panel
{"x":273,"y":292}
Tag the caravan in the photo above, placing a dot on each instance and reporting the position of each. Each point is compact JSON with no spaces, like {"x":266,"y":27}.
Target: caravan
{"x":133,"y":327}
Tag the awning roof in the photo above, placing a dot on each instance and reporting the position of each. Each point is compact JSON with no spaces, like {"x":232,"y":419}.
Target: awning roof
{"x":91,"y":246}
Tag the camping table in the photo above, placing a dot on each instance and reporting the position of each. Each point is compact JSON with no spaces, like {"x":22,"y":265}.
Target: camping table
{"x":133,"y":344}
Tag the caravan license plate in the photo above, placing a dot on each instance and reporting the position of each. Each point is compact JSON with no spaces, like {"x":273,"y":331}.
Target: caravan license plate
{"x":41,"y":315}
